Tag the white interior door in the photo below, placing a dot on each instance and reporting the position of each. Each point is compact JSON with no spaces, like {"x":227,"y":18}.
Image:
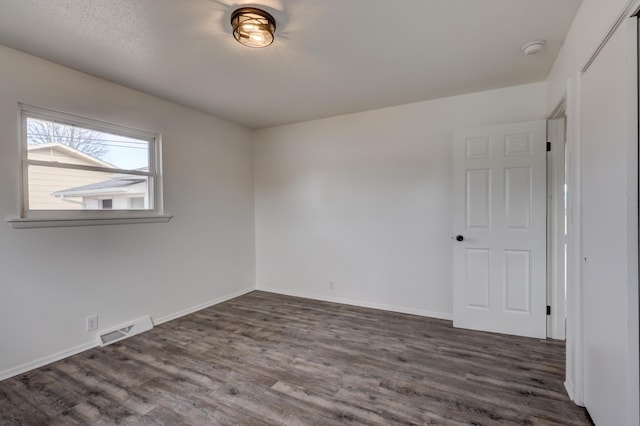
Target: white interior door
{"x":499,"y":254}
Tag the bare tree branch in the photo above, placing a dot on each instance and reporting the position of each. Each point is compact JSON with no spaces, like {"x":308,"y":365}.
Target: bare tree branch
{"x":84,"y":140}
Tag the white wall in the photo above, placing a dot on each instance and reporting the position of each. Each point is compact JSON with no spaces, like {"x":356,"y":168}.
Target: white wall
{"x":51,"y":279}
{"x":364,"y":200}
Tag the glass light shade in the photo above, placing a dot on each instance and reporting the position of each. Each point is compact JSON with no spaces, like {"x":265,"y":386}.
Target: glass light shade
{"x":253,"y":27}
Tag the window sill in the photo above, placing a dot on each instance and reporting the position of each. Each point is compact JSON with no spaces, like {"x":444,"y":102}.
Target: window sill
{"x":23,"y":223}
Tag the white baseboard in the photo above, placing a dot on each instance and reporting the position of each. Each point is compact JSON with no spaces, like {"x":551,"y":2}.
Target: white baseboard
{"x":400,"y":309}
{"x":40,"y":362}
{"x":568,"y":385}
{"x":201,"y":306}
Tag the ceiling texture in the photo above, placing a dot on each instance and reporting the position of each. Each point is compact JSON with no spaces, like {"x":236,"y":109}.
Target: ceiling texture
{"x":330,"y":57}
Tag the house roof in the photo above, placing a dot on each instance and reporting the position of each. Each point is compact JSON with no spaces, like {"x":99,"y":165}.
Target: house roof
{"x":116,"y":185}
{"x":67,"y":150}
{"x":328,"y":58}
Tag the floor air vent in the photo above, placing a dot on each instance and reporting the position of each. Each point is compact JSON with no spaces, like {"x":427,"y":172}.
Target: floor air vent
{"x":122,"y":332}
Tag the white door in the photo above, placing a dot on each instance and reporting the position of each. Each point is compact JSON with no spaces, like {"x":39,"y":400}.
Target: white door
{"x":499,"y":245}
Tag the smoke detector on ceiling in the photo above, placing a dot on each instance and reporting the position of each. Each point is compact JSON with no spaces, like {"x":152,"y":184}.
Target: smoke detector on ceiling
{"x":532,"y":47}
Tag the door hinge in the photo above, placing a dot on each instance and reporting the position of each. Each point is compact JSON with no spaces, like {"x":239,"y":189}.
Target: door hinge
{"x":548,"y":146}
{"x":548,"y":310}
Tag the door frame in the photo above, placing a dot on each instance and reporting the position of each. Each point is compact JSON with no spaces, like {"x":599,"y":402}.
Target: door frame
{"x":556,"y":282}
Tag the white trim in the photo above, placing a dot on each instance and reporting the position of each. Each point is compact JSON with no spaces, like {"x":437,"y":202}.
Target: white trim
{"x":555,"y":227}
{"x":399,"y":309}
{"x":560,"y":110}
{"x":40,"y":362}
{"x":574,"y":351}
{"x":86,"y":122}
{"x":201,"y":306}
{"x":87,"y":215}
{"x":568,"y":385}
{"x":26,"y":223}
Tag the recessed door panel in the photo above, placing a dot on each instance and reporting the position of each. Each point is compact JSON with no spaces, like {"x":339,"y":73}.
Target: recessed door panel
{"x":517,"y":274}
{"x":517,"y":145}
{"x":478,"y":197}
{"x":478,"y":147}
{"x":478,"y":278}
{"x":518,"y":195}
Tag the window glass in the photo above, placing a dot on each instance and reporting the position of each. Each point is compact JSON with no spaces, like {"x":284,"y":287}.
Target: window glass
{"x":64,"y":143}
{"x":73,"y":164}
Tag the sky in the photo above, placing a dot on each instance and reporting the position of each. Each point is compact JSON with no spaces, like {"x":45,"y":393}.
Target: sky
{"x":126,"y":153}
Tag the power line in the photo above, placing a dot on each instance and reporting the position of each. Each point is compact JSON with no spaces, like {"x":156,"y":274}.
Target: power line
{"x":84,"y":139}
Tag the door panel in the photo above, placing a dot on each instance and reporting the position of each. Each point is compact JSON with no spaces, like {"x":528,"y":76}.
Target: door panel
{"x":478,"y":199}
{"x":478,"y":278}
{"x":517,"y":265}
{"x":518,"y":198}
{"x":500,"y":210}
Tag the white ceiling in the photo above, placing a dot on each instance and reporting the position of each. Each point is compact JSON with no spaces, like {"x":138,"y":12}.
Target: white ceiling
{"x":329,"y":57}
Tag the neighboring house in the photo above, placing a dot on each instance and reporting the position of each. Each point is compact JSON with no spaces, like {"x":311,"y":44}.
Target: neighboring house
{"x":121,"y":192}
{"x":45,"y":181}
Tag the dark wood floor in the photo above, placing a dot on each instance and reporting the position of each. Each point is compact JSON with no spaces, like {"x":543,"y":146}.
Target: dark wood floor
{"x":270,"y":359}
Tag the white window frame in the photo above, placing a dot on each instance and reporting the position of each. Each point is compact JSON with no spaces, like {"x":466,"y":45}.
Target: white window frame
{"x":53,"y":218}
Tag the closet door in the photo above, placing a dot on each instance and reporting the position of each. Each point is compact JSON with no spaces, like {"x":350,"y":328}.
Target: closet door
{"x":608,"y":182}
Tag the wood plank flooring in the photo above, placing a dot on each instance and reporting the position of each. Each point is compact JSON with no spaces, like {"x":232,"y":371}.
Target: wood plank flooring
{"x":269,"y":359}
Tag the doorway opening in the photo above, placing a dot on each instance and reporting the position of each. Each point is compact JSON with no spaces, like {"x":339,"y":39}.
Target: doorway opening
{"x":557,"y":225}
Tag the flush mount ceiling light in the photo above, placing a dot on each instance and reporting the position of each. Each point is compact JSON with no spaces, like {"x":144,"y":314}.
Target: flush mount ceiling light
{"x":253,"y":27}
{"x":533,"y":47}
